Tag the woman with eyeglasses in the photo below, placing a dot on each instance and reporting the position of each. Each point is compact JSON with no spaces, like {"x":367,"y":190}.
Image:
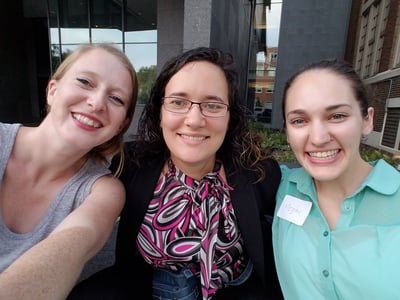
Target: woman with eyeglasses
{"x":200,"y":193}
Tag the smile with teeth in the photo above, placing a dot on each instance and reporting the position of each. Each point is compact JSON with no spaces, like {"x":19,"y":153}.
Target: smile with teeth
{"x":86,"y":121}
{"x":193,"y":138}
{"x":324,"y":154}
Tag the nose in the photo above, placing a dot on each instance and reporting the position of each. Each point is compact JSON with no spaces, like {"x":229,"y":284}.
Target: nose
{"x":97,"y":101}
{"x":319,"y":133}
{"x":194,"y":116}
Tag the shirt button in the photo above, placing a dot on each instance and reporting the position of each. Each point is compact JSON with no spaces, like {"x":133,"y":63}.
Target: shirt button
{"x":326,"y":233}
{"x":325,"y":273}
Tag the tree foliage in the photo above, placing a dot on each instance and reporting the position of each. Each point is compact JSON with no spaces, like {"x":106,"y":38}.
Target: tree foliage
{"x":146,"y":77}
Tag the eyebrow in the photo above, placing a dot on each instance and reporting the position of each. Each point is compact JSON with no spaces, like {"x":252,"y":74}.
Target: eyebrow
{"x":185,"y":96}
{"x":328,"y":109}
{"x":337,"y":106}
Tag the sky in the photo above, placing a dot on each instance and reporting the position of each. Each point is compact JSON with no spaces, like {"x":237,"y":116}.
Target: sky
{"x":273,"y":17}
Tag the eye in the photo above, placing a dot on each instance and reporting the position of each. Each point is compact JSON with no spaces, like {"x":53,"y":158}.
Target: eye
{"x":338,"y":116}
{"x":297,"y":122}
{"x":83,"y":81}
{"x":214,"y":106}
{"x":117,"y":100}
{"x":179,"y":102}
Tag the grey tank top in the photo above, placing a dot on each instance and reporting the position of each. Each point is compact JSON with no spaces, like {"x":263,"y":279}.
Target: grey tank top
{"x":72,"y":194}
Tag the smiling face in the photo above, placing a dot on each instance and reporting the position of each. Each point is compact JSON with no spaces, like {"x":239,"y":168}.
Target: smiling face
{"x":324,"y":124}
{"x":192,"y":138}
{"x":89,"y":103}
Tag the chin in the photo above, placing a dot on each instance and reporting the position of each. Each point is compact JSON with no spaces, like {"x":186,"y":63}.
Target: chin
{"x":322,"y":174}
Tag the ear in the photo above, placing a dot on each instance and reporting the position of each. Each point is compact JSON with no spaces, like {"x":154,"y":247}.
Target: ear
{"x":368,"y":122}
{"x":51,"y":91}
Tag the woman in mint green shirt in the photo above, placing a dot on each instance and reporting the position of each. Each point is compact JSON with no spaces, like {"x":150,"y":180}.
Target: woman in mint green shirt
{"x":336,"y":233}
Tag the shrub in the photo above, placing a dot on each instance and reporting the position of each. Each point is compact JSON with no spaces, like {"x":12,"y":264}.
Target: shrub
{"x":276,"y":139}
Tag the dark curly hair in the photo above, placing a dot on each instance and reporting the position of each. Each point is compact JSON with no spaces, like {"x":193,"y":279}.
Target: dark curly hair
{"x":240,"y":143}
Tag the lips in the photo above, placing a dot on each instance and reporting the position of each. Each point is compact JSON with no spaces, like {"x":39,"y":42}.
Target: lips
{"x":193,"y":138}
{"x":323,"y":154}
{"x":87,"y":121}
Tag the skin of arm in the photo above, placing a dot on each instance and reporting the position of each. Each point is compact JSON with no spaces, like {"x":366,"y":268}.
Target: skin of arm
{"x":49,"y":269}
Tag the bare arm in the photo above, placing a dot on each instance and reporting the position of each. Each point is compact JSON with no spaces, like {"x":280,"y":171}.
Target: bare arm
{"x":50,"y":269}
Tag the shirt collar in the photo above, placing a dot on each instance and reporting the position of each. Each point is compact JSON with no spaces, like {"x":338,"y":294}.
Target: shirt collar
{"x":383,"y":179}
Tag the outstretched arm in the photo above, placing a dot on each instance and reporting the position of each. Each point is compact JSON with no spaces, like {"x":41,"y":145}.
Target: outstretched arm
{"x":49,"y":269}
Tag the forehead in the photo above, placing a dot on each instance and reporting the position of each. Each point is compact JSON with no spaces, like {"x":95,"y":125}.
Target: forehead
{"x":199,"y":76}
{"x":320,"y":87}
{"x":105,"y":65}
{"x":95,"y":58}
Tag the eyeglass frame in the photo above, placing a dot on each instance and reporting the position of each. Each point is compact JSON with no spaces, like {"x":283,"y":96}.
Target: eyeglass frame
{"x":191,"y":104}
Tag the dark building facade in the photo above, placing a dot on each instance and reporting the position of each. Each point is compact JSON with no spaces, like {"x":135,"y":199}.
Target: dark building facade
{"x":36,"y":34}
{"x":310,"y":30}
{"x":48,"y":30}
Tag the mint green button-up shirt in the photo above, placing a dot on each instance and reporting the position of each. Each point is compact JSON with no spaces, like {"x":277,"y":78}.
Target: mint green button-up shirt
{"x":360,"y":259}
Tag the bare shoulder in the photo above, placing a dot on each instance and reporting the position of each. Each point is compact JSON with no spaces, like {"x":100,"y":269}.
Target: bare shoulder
{"x":107,"y":194}
{"x":108,"y":184}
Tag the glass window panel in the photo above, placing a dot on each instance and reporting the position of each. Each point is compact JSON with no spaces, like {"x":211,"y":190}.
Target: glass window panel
{"x":142,"y":55}
{"x":74,"y":13}
{"x":53,"y":13}
{"x":141,"y":15}
{"x":75,"y":35}
{"x":58,"y":53}
{"x":67,"y":49}
{"x":106,"y":24}
{"x":107,"y":14}
{"x":106,"y":36}
{"x":54,"y":36}
{"x":261,"y":79}
{"x":55,"y":56}
{"x":143,"y":36}
{"x":273,"y":17}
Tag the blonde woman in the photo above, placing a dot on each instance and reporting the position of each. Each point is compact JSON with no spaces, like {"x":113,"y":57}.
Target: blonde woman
{"x":58,"y":200}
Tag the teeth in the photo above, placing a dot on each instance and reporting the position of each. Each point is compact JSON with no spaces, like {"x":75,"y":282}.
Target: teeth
{"x":193,"y":138}
{"x":324,"y":155}
{"x":86,"y":121}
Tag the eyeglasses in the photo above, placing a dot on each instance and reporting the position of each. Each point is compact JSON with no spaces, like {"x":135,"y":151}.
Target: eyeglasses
{"x":182,"y":106}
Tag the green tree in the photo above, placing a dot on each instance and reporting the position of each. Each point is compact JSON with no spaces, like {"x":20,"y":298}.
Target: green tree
{"x":146,"y":77}
{"x":57,"y":57}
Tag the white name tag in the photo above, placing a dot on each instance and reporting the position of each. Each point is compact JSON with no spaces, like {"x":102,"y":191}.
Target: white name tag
{"x":294,"y":210}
